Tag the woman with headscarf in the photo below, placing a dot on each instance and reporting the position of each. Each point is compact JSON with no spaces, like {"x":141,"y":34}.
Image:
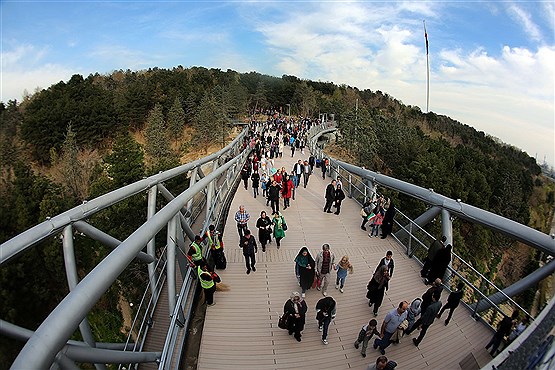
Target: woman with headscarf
{"x":279,"y":228}
{"x":304,"y":269}
{"x":387,"y":223}
{"x":440,"y":263}
{"x":339,"y":196}
{"x":295,"y":308}
{"x":343,"y":267}
{"x":264,"y":225}
{"x":377,"y":287}
{"x":413,"y":311}
{"x":286,"y":190}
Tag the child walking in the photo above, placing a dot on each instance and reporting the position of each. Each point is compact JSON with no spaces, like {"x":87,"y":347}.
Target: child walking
{"x":365,"y":334}
{"x":343,"y":267}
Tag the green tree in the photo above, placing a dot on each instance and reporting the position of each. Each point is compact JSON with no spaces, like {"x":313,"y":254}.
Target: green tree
{"x":176,"y":120}
{"x":210,"y":123}
{"x":305,"y":99}
{"x":126,"y":162}
{"x":157,"y":142}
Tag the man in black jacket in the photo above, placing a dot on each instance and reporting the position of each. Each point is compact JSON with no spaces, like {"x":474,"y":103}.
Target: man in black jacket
{"x":426,"y":319}
{"x":325,"y":312}
{"x":273,"y":195}
{"x":503,"y":329}
{"x":248,"y":243}
{"x":452,"y":302}
{"x":330,"y":196}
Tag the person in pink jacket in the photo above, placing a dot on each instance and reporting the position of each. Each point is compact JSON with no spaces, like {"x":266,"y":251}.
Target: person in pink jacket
{"x":378,"y":220}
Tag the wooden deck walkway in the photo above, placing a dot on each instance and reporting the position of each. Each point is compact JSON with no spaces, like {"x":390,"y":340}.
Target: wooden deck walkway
{"x":240,"y":331}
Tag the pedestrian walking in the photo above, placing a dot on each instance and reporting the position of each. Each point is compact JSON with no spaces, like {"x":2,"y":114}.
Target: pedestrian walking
{"x":298,"y":170}
{"x":387,"y":261}
{"x":255,"y":177}
{"x":245,"y":174}
{"x":287,"y":189}
{"x":325,"y":263}
{"x":264,"y":226}
{"x":440,"y":263}
{"x":414,"y":311}
{"x":437,"y":286}
{"x":432,"y":250}
{"x":503,"y":329}
{"x":279,"y":228}
{"x":304,"y":270}
{"x":242,"y":218}
{"x":295,"y":308}
{"x":376,"y":221}
{"x":365,"y":334}
{"x":307,"y":171}
{"x":387,"y":224}
{"x":325,"y":312}
{"x":427,"y":319}
{"x":264,"y":184}
{"x":343,"y":268}
{"x":452,"y":302}
{"x":339,"y":196}
{"x":248,"y":244}
{"x":324,"y":167}
{"x":330,"y":196}
{"x":366,"y":212}
{"x":377,"y":287}
{"x":273,"y":196}
{"x":391,"y":323}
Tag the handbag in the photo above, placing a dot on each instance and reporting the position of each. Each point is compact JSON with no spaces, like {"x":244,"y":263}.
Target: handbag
{"x":282,"y":321}
{"x":283,"y":224}
{"x":362,"y":213}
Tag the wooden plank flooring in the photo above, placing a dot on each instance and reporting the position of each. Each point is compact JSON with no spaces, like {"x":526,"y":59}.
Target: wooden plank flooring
{"x":240,"y":331}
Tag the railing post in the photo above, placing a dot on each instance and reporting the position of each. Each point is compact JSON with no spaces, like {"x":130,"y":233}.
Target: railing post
{"x":447,"y":229}
{"x":409,"y":246}
{"x":350,"y":185}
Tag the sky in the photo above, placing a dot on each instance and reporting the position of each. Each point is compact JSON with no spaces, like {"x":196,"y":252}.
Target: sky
{"x":491,"y":62}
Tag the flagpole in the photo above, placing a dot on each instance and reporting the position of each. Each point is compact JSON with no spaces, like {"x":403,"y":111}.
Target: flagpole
{"x":427,"y":70}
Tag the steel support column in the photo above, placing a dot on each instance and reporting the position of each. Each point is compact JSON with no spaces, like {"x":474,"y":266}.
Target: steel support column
{"x":447,"y":230}
{"x":518,"y":287}
{"x":72,"y":281}
{"x":170,"y":266}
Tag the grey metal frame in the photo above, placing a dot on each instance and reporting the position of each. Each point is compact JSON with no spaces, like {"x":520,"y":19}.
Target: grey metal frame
{"x":47,"y":344}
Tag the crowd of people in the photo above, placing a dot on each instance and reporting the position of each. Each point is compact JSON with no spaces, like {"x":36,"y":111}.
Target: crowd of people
{"x":267,"y":142}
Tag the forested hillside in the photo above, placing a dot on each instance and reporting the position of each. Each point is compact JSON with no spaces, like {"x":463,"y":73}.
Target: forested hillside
{"x":76,"y":140}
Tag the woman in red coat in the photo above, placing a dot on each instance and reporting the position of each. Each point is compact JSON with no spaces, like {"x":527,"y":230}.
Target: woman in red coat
{"x":286,"y":191}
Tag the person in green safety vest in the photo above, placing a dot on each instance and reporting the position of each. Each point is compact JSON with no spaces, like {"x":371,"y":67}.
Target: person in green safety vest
{"x":216,"y":245}
{"x":208,"y":282}
{"x":195,"y":251}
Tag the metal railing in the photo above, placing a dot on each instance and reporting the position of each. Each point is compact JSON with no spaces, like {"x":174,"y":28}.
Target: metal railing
{"x":416,"y":240}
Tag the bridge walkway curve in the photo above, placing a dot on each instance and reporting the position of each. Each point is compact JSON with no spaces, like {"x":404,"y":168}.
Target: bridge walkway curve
{"x":241,"y":332}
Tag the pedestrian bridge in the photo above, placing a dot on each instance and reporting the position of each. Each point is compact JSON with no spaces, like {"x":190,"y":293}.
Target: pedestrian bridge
{"x":240,"y":331}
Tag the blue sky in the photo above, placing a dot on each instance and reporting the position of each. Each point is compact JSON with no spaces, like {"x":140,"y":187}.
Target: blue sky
{"x":492,"y":63}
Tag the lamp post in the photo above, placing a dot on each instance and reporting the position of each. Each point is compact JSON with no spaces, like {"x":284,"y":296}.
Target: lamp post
{"x":288,"y":110}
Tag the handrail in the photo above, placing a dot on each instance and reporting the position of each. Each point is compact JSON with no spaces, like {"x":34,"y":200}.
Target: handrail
{"x":48,"y":339}
{"x":411,"y":235}
{"x":52,"y":225}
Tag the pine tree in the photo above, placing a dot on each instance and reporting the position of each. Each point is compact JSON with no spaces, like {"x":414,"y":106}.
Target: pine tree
{"x":210,"y":123}
{"x":176,"y":120}
{"x":157,"y":142}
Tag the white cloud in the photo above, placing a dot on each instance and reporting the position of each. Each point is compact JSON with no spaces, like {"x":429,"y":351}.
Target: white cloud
{"x":506,"y":92}
{"x":24,"y":69}
{"x":525,"y":20}
{"x":123,"y":57}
